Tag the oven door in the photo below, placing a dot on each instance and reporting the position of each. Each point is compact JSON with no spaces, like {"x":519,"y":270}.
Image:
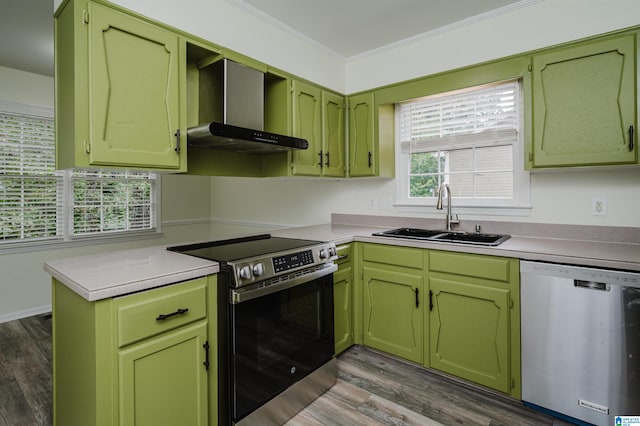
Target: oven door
{"x":276,"y":340}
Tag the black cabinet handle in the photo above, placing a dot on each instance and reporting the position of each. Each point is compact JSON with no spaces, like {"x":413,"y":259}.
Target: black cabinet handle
{"x":180,"y":311}
{"x":206,"y":355}
{"x":370,"y":159}
{"x":177,"y":135}
{"x":430,"y":300}
{"x":327,"y":163}
{"x":631,"y":138}
{"x":320,"y":162}
{"x":417,"y":298}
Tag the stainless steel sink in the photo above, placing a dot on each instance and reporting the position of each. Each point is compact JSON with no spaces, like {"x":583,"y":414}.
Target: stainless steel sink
{"x":444,"y":236}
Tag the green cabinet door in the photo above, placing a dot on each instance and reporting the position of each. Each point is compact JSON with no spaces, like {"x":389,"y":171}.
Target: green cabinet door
{"x":134,"y":105}
{"x":342,"y":309}
{"x":393,"y":311}
{"x":333,"y":135}
{"x":307,"y":124}
{"x":469,"y":335}
{"x":163,"y":380}
{"x":584,"y":104}
{"x":362,"y":153}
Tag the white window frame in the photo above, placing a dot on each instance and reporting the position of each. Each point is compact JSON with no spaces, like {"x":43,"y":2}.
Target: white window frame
{"x":65,"y":204}
{"x":519,"y":205}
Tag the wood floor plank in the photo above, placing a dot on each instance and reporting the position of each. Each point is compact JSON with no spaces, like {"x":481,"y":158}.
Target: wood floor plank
{"x":372,"y":389}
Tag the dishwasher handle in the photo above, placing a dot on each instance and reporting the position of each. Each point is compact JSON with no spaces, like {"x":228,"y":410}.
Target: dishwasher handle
{"x":592,"y":285}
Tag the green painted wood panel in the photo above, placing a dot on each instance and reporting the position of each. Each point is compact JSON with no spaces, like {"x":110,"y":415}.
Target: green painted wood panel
{"x":584,"y":102}
{"x":393,"y":255}
{"x":333,"y":135}
{"x":470,"y":265}
{"x":392,"y":321}
{"x":343,"y":308}
{"x":307,"y":124}
{"x":137,"y":314}
{"x":469,"y":332}
{"x":163,"y":380}
{"x":133,"y":90}
{"x":84,"y":365}
{"x":362,"y":152}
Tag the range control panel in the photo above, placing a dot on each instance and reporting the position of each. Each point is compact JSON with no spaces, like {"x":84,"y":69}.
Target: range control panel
{"x":265,"y":267}
{"x":291,"y":261}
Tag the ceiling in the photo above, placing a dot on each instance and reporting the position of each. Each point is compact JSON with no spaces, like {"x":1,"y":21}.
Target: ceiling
{"x":352,"y":27}
{"x":346,"y":27}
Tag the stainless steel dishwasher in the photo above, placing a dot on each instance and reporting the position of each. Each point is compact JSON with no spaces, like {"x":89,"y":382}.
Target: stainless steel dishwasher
{"x":580,"y":341}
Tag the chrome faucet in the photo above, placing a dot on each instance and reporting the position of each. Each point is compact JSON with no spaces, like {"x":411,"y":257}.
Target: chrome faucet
{"x":450,"y":219}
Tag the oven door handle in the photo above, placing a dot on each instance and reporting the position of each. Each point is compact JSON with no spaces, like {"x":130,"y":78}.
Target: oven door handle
{"x":242,"y":295}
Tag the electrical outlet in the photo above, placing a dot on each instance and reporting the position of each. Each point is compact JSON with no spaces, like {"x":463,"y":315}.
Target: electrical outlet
{"x":598,"y":206}
{"x":373,"y":204}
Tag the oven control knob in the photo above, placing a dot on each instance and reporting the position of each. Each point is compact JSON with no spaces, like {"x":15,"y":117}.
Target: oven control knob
{"x":245,"y":272}
{"x":323,"y":254}
{"x":258,"y":269}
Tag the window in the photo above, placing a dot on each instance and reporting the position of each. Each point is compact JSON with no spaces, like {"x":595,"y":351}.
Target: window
{"x":467,"y":138}
{"x":39,"y":203}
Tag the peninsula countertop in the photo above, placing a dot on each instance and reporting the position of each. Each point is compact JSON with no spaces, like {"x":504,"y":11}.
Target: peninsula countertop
{"x":99,"y":276}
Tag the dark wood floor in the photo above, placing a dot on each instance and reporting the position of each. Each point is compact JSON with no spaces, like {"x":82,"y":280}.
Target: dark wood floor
{"x":372,"y":389}
{"x":25,"y":372}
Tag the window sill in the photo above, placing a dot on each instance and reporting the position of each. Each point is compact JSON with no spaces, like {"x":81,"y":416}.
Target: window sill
{"x":59,"y":243}
{"x":519,"y":211}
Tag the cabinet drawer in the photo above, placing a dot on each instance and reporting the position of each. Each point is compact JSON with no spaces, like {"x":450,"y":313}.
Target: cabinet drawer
{"x":155,"y":311}
{"x":389,"y":255}
{"x":471,"y":265}
{"x":344,"y":254}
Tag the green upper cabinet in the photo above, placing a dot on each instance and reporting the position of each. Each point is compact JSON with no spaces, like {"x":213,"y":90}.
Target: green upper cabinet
{"x":371,"y":137}
{"x":318,"y":117}
{"x":333,"y":135}
{"x":584,"y":104}
{"x":117,"y":91}
{"x":362,"y":154}
{"x":307,"y":124}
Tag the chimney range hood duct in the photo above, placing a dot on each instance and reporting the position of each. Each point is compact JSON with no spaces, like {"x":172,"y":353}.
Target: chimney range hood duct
{"x":231,"y":101}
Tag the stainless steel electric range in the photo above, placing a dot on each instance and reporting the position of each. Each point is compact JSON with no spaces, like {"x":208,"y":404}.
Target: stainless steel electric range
{"x":275,"y":325}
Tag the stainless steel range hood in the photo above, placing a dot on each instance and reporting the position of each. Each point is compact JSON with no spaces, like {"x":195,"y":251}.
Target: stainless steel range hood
{"x":231,"y":103}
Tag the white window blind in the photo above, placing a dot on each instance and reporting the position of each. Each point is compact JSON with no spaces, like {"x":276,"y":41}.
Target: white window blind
{"x":112,"y":202}
{"x":467,"y":138}
{"x":37,"y":202}
{"x":29,"y":188}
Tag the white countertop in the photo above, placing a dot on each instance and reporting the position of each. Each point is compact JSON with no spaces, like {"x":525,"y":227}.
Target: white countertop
{"x":575,"y":252}
{"x":99,"y":276}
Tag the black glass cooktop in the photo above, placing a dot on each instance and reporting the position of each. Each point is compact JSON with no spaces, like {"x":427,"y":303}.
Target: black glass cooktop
{"x":241,"y":248}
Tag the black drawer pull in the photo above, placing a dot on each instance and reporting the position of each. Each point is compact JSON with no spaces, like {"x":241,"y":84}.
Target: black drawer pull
{"x":417,"y":298}
{"x":631,"y":138}
{"x":163,"y":317}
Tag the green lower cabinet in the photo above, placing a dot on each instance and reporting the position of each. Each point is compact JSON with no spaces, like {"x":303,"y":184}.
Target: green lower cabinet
{"x":343,"y":296}
{"x":162,"y":380}
{"x":469,"y":332}
{"x":393,"y":312}
{"x":342,"y":308}
{"x":137,"y":359}
{"x":474,"y":318}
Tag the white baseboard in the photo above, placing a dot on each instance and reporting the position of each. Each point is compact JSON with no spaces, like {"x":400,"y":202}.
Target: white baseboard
{"x":26,"y":313}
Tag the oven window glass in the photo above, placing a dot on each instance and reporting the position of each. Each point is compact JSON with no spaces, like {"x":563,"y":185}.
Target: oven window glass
{"x":278,"y":339}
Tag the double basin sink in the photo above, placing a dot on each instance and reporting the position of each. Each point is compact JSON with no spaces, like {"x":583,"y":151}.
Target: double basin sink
{"x":445,"y":236}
